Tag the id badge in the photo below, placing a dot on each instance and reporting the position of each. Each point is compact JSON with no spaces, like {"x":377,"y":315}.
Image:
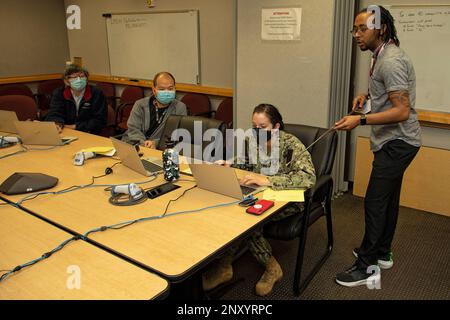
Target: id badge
{"x":367,"y":107}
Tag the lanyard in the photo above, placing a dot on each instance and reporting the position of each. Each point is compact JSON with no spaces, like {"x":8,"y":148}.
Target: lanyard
{"x":375,"y":55}
{"x":159,"y":118}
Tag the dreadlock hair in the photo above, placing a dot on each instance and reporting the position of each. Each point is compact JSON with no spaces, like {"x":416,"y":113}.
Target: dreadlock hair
{"x":388,"y":20}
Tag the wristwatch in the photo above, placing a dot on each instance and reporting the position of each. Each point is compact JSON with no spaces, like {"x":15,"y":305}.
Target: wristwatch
{"x":363,"y":120}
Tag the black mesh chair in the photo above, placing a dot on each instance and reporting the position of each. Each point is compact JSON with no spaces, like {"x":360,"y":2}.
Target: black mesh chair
{"x":188,"y":122}
{"x":317,"y":201}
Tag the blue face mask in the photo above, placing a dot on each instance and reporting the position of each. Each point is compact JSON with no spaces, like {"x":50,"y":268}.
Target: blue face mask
{"x":262,"y":136}
{"x":78,"y":84}
{"x":165,"y":97}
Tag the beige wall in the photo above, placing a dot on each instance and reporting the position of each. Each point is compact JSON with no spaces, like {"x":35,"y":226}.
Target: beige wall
{"x":33,"y":37}
{"x":432,"y":137}
{"x":295,"y":76}
{"x":216,"y":34}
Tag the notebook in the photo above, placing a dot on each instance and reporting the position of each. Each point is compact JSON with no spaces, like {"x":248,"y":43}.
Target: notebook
{"x":41,"y":133}
{"x":223,"y":180}
{"x":130,"y":158}
{"x":7,"y":119}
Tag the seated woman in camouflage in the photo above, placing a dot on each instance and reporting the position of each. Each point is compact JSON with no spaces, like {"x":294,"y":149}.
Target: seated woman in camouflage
{"x":293,"y":169}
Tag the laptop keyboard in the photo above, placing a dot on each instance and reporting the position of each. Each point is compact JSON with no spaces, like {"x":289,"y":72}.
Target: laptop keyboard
{"x":247,"y":190}
{"x":151,"y":167}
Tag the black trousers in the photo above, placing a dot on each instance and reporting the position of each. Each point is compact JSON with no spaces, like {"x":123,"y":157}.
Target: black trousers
{"x":382,"y":199}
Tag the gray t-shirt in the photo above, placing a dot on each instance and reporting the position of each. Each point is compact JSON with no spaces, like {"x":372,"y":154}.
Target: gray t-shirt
{"x":393,"y":71}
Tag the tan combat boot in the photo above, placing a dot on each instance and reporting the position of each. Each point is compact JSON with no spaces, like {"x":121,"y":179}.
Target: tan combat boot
{"x":272,"y":274}
{"x":220,"y":272}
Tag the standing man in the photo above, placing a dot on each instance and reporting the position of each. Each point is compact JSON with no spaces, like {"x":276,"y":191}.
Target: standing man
{"x":395,"y":138}
{"x":149,"y":115}
{"x":78,"y":105}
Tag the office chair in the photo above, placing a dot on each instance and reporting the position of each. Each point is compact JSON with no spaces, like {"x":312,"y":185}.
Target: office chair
{"x":317,"y":201}
{"x":187,"y":122}
{"x":25,"y":107}
{"x":126,"y":102}
{"x":109,"y":91}
{"x":225,"y":112}
{"x":197,"y":104}
{"x":16,"y":89}
{"x":44,"y":94}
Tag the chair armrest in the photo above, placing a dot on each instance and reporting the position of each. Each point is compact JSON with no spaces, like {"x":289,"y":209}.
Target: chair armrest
{"x":321,"y":182}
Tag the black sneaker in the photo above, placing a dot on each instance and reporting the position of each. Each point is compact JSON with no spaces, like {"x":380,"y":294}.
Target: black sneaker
{"x":384,"y":262}
{"x":355,"y":276}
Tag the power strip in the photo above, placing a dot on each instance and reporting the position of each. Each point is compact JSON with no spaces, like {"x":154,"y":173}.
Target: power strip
{"x":161,"y":189}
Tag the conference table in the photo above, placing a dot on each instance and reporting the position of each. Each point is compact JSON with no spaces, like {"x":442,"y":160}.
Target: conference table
{"x":78,"y":271}
{"x":174,"y":246}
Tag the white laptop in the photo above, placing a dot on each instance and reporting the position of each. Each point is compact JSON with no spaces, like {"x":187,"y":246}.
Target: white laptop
{"x":223,"y":180}
{"x":41,"y":133}
{"x":7,"y":119}
{"x":130,"y":158}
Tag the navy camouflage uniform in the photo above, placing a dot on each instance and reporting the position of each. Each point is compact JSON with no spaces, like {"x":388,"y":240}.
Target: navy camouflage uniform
{"x":293,"y":173}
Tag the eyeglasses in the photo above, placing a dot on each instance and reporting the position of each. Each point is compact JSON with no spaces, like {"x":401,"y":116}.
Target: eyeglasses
{"x":74,"y":76}
{"x":362,"y":29}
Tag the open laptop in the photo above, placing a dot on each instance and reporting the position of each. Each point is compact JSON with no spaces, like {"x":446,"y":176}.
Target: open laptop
{"x":7,"y":119}
{"x":41,"y":133}
{"x":223,"y":180}
{"x":130,"y":158}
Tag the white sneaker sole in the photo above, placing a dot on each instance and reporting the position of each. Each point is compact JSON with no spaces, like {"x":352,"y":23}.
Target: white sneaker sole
{"x":364,"y":282}
{"x":385,"y":265}
{"x":352,"y":284}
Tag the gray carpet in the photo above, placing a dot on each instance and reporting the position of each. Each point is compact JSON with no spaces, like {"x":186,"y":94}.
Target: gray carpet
{"x":421,"y":259}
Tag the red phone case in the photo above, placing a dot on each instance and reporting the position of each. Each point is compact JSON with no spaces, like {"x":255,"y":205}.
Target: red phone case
{"x":265,"y":205}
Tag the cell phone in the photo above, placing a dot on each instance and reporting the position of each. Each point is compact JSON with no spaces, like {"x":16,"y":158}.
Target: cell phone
{"x":260,"y":207}
{"x":248,"y":202}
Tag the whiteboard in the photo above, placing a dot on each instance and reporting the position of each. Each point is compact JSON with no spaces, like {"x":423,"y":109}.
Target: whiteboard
{"x":424,"y":33}
{"x":143,"y":44}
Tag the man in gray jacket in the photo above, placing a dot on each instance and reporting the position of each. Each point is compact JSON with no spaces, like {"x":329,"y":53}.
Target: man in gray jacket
{"x":149,"y":115}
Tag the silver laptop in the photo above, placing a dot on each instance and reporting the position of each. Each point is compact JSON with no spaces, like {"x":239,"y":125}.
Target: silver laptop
{"x":41,"y":133}
{"x":223,"y":180}
{"x":130,"y":158}
{"x":7,"y":119}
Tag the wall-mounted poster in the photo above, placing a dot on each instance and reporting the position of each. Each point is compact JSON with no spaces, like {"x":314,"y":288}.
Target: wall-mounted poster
{"x":281,"y":23}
